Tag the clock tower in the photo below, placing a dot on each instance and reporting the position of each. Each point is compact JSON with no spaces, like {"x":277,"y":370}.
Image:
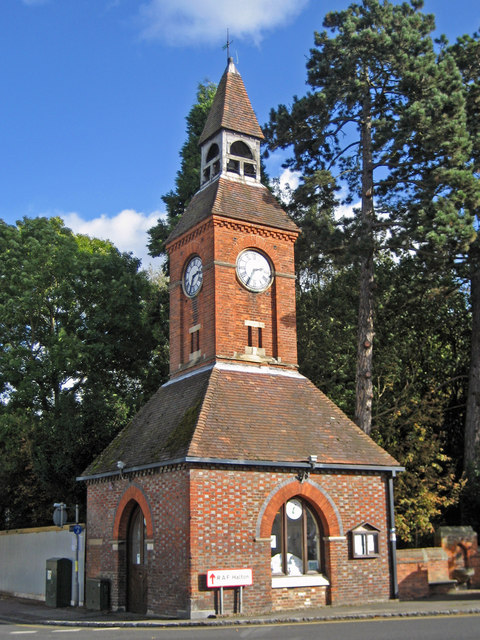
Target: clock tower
{"x":238,"y":465}
{"x":232,"y":295}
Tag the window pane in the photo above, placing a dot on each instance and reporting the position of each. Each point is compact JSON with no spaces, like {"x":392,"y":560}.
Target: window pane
{"x":359,"y":544}
{"x":276,"y":544}
{"x":294,"y":538}
{"x":371,"y":543}
{"x":313,"y":542}
{"x":136,"y":541}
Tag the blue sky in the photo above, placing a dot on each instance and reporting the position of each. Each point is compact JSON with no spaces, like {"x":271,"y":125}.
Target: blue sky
{"x":95,"y":94}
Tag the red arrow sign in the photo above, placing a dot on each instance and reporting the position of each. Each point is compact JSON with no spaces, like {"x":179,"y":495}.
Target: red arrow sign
{"x":229,"y":578}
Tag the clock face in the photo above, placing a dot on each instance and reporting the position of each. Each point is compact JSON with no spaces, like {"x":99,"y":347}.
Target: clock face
{"x":254,"y":270}
{"x":294,"y":509}
{"x":193,"y":277}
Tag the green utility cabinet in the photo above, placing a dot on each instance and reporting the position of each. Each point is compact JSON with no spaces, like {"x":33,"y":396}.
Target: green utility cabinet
{"x":97,"y":594}
{"x":58,"y":587}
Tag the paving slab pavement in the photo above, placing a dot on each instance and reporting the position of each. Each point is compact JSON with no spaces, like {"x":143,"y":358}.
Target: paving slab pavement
{"x":19,"y":610}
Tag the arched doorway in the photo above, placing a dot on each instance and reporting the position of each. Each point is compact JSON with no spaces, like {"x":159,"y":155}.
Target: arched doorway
{"x":137,"y":562}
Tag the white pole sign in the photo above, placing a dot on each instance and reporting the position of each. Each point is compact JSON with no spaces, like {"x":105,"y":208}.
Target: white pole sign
{"x":229,"y":578}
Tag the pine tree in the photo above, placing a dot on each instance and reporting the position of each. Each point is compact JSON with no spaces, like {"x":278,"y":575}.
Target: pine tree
{"x":384,"y":128}
{"x":466,"y":52}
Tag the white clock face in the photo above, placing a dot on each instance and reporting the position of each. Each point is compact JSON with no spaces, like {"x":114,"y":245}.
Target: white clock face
{"x":294,"y":509}
{"x":254,"y":270}
{"x":193,"y":277}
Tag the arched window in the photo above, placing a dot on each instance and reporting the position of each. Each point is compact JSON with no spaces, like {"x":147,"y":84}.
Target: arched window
{"x":240,"y":148}
{"x":295,"y":540}
{"x":213,"y":152}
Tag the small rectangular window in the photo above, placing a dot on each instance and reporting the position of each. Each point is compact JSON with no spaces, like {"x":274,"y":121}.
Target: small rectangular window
{"x":195,"y":341}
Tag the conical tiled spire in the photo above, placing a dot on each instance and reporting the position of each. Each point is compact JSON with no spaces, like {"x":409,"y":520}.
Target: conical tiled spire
{"x":231,"y":108}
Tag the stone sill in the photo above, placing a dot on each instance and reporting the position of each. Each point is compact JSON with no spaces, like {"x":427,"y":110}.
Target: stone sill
{"x":280,"y":582}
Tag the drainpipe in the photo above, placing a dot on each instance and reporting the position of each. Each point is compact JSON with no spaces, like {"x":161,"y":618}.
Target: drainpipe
{"x":392,"y":538}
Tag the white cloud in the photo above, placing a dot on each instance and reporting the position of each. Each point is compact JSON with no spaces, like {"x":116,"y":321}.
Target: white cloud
{"x":289,"y":180}
{"x":185,"y":22}
{"x":127,"y":231}
{"x":346,"y":210}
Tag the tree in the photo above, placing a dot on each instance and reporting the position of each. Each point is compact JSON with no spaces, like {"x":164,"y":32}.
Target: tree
{"x":386,"y":126}
{"x":423,"y":327}
{"x":422,"y":338}
{"x":77,"y":353}
{"x":187,"y":181}
{"x":466,"y":52}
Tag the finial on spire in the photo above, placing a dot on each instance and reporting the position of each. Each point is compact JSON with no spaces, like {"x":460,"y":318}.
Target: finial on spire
{"x":227,"y":46}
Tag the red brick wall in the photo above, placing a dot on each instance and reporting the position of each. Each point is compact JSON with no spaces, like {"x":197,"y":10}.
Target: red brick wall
{"x":412,"y":574}
{"x":213,"y":518}
{"x":166,"y":496}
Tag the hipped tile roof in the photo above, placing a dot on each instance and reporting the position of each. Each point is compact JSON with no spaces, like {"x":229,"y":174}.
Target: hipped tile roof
{"x":231,"y":108}
{"x":239,"y":413}
{"x":237,"y":200}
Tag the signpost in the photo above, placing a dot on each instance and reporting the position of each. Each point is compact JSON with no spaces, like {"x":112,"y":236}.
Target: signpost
{"x":60,"y":519}
{"x":237,"y":578}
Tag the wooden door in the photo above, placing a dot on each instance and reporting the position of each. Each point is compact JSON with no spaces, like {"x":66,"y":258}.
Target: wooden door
{"x":137,"y":563}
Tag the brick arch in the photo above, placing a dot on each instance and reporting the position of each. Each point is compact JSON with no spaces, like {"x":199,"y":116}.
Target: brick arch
{"x":131,"y":497}
{"x":315,"y":495}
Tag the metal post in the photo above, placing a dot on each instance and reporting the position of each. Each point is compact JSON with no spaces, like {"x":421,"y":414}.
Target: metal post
{"x":220,"y":607}
{"x":76,"y":593}
{"x":240,"y":600}
{"x":393,"y":537}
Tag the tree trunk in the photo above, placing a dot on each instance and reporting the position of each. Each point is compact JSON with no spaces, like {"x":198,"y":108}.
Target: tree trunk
{"x":472,"y":420}
{"x":364,"y":382}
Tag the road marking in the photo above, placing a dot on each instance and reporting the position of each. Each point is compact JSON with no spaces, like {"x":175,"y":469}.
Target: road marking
{"x":106,"y":628}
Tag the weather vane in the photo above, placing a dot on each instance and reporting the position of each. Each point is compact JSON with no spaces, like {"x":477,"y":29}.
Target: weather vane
{"x":227,"y":46}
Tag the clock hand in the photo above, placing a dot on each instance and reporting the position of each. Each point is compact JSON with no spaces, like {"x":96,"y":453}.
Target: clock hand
{"x":252,"y":272}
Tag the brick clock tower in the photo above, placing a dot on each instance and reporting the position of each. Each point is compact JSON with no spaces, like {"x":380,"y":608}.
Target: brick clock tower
{"x":231,"y":256}
{"x":238,"y":464}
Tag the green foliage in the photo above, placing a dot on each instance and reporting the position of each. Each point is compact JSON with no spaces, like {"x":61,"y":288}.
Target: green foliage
{"x":383,"y":128}
{"x":466,"y":52}
{"x":423,"y":329}
{"x":187,"y":181}
{"x":326,"y":326}
{"x":422,"y":341}
{"x":78,"y":350}
{"x":381,"y":65}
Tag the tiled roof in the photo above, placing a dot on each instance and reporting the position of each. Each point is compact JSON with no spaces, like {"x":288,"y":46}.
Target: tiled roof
{"x":231,"y":108}
{"x":237,"y":200}
{"x":241,"y":413}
